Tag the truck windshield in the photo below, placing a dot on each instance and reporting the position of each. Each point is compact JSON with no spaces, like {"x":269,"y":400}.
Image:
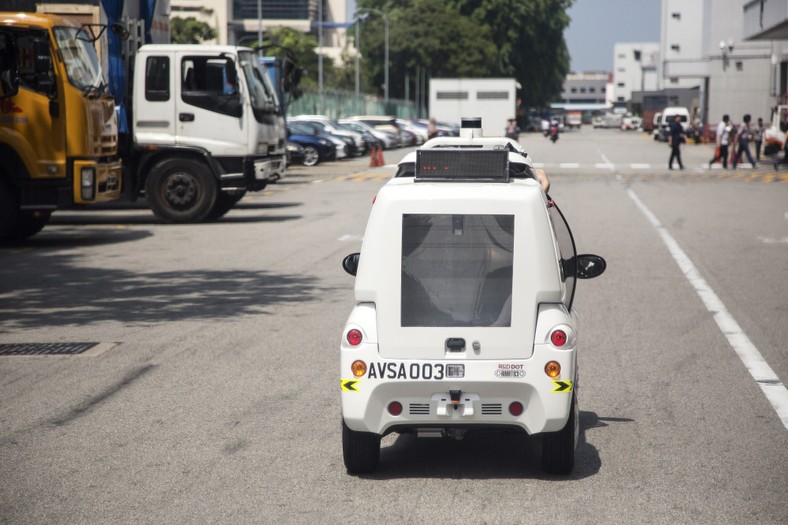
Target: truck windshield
{"x":260,"y":89}
{"x":79,"y":56}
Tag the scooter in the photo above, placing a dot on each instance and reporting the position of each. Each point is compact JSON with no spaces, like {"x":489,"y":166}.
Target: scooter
{"x":553,"y":133}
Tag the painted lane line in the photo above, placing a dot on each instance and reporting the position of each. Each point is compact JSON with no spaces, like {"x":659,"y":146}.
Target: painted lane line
{"x":640,"y":166}
{"x":759,"y":369}
{"x":569,"y":165}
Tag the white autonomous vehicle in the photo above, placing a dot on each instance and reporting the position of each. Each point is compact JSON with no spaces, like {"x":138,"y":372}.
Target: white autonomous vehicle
{"x":463,"y":315}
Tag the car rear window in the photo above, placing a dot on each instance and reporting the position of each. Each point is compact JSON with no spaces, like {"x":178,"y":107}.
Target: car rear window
{"x":456,"y":270}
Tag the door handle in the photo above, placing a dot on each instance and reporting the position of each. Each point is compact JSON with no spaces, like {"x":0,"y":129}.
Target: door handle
{"x":186,"y":117}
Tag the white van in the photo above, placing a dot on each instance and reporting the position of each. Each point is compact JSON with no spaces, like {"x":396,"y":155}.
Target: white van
{"x":668,"y":114}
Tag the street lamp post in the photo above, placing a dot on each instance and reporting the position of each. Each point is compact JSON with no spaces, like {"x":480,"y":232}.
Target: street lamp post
{"x":386,"y":47}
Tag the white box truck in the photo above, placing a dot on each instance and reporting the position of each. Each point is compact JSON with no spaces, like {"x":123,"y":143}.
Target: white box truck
{"x":494,"y":99}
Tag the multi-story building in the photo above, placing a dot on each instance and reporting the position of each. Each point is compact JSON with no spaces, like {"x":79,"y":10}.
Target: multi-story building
{"x":237,"y":21}
{"x":766,"y":22}
{"x":584,"y":88}
{"x":704,"y":43}
{"x":634,"y":69}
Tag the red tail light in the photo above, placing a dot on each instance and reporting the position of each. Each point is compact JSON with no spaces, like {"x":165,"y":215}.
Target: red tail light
{"x":354,"y":337}
{"x":395,"y":408}
{"x":558,"y":338}
{"x":515,"y":408}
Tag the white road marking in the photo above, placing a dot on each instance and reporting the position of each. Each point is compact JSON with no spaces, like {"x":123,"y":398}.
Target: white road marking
{"x":770,"y":240}
{"x":640,"y":166}
{"x":759,"y":369}
{"x":351,"y":238}
{"x":570,"y":165}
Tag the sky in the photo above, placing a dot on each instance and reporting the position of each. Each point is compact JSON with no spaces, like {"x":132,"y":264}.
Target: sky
{"x":598,"y":24}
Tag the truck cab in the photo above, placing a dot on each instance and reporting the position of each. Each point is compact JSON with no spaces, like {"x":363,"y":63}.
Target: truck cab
{"x":206,"y":127}
{"x":58,"y":128}
{"x":463,"y":317}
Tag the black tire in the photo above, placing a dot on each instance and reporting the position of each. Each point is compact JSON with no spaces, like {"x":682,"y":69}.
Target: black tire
{"x":8,"y":211}
{"x":181,"y":191}
{"x":224,"y":203}
{"x":360,"y":450}
{"x":28,"y":225}
{"x":311,"y":156}
{"x":558,"y":448}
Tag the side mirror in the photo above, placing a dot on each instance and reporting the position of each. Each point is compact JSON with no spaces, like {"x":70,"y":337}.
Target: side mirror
{"x":590,"y":266}
{"x":350,"y":263}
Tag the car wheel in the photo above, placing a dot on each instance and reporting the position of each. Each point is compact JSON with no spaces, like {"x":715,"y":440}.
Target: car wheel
{"x":558,"y":448}
{"x":311,"y":156}
{"x":361,"y":450}
{"x":224,"y":203}
{"x":181,"y":190}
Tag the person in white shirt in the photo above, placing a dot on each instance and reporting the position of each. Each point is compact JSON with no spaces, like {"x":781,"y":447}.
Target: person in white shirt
{"x":723,"y":139}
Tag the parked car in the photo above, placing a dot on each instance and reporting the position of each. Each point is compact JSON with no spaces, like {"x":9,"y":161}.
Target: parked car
{"x":317,"y":148}
{"x":357,"y":145}
{"x":382,"y":123}
{"x":418,"y":131}
{"x":387,"y":140}
{"x":296,"y":154}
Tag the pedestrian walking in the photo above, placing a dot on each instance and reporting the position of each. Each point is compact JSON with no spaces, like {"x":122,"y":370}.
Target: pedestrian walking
{"x":722,"y":140}
{"x":743,"y":141}
{"x":676,"y":137}
{"x":757,"y":137}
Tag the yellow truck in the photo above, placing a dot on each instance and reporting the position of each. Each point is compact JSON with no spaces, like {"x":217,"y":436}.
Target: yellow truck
{"x":58,"y":127}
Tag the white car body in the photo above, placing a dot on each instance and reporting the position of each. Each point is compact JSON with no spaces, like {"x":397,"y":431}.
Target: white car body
{"x":460,"y":286}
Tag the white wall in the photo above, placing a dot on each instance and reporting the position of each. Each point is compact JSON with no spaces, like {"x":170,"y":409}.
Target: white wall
{"x":628,"y":73}
{"x":454,"y":98}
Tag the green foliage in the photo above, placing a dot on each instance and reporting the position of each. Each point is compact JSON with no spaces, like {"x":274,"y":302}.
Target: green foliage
{"x":302,"y":49}
{"x":472,"y":38}
{"x":190,"y":31}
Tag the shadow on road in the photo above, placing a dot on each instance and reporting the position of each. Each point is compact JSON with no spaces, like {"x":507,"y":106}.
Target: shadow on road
{"x":65,"y":292}
{"x":484,"y":455}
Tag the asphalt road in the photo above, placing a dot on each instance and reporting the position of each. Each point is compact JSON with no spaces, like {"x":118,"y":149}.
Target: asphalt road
{"x":214,"y":397}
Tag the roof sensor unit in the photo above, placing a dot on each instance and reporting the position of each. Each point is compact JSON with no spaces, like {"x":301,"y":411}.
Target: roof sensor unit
{"x":445,"y":165}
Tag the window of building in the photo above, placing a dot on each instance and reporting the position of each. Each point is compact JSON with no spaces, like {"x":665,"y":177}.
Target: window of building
{"x":677,"y":16}
{"x":620,"y":84}
{"x":492,"y":95}
{"x":675,"y":47}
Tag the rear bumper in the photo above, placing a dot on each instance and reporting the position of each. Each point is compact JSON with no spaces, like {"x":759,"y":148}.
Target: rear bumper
{"x":486,"y":390}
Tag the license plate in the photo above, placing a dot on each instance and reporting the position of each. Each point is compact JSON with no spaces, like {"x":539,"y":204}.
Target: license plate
{"x":455,"y":371}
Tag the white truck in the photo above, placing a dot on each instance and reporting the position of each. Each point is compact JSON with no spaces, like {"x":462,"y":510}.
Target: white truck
{"x":198,"y":125}
{"x":206,"y":128}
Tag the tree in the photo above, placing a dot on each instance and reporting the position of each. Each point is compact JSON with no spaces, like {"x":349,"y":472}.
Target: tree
{"x":300,"y":48}
{"x":190,"y":31}
{"x":519,"y":38}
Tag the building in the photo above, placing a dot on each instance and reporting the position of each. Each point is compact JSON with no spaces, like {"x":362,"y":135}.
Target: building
{"x":705,"y":43}
{"x":236,"y":21}
{"x":584,"y":88}
{"x":634,"y":69}
{"x":766,"y":21}
{"x":493,"y":99}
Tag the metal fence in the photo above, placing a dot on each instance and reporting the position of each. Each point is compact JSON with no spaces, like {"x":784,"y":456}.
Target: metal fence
{"x":341,"y":104}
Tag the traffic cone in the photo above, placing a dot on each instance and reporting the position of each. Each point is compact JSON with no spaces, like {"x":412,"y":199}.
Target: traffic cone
{"x":381,"y":162}
{"x":373,"y":158}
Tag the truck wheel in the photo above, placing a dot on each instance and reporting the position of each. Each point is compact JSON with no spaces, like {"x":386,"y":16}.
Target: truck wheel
{"x":360,"y":450}
{"x":181,"y":190}
{"x":224,"y":203}
{"x":311,"y":156}
{"x":27,"y":225}
{"x":8,"y":211}
{"x":558,"y":448}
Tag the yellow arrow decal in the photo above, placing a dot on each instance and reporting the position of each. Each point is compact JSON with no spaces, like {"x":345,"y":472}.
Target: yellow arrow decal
{"x":562,"y":386}
{"x":349,"y":385}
